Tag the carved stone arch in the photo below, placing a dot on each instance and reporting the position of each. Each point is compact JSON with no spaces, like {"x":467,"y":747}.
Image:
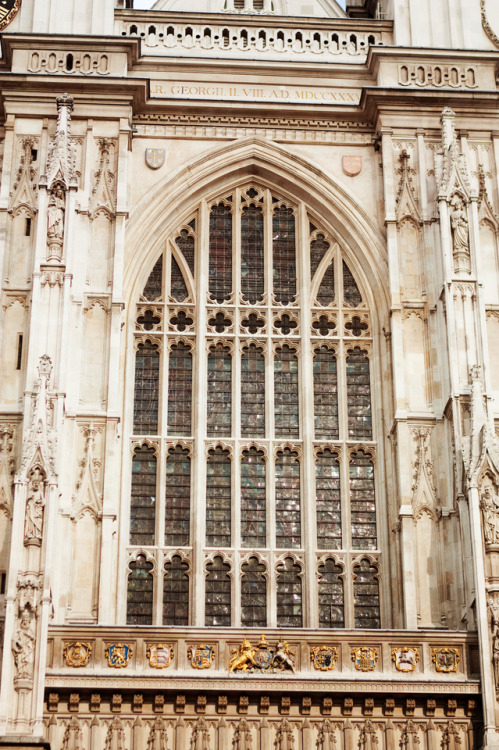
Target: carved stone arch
{"x":373,"y":560}
{"x":335,"y":449}
{"x":146,"y":443}
{"x":297,"y":560}
{"x":214,"y":444}
{"x":370,"y":450}
{"x":226,"y":557}
{"x":338,"y":559}
{"x":185,"y":271}
{"x":185,"y":556}
{"x":220,"y":169}
{"x":220,"y":341}
{"x":144,"y":339}
{"x":260,"y":556}
{"x":295,"y":448}
{"x":260,"y":447}
{"x":102,"y":211}
{"x":23,"y":209}
{"x":180,"y":443}
{"x":175,"y":340}
{"x":141,"y":552}
{"x":407,"y":219}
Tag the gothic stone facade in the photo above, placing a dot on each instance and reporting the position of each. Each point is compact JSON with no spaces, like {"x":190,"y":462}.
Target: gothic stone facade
{"x":249,"y":375}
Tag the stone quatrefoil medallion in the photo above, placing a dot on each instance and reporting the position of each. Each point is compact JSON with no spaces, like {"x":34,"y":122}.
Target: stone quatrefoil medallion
{"x":356,"y":326}
{"x":323,"y":325}
{"x":148,"y":320}
{"x":285,"y":324}
{"x":253,"y":323}
{"x":181,"y":321}
{"x":219,"y":322}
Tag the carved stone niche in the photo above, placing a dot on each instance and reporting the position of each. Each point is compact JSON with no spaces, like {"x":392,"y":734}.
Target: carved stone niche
{"x":489,"y":504}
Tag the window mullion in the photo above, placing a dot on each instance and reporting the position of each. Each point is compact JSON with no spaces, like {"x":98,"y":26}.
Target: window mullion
{"x":308,"y":514}
{"x":200,"y":386}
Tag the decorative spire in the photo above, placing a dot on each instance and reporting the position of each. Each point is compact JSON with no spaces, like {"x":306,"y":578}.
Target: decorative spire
{"x":61,"y":164}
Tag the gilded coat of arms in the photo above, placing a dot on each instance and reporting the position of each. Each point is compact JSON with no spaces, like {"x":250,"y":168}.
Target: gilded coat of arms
{"x":365,"y":658}
{"x":160,"y":655}
{"x":262,"y":657}
{"x":77,"y":654}
{"x":118,"y":655}
{"x":155,"y":157}
{"x":201,"y":656}
{"x":445,"y":659}
{"x":8,"y":9}
{"x":324,"y":658}
{"x":352,"y":165}
{"x":405,"y":658}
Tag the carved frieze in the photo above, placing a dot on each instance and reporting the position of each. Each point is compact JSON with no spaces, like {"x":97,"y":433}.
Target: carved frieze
{"x":438,"y":76}
{"x":74,"y":63}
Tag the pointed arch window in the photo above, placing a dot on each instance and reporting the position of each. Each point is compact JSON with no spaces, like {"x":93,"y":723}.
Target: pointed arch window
{"x":140,"y":592}
{"x":254,"y":419}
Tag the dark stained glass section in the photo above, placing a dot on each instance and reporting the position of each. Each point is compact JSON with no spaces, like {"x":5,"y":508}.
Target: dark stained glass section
{"x":366,"y":596}
{"x":253,"y":499}
{"x":318,"y":249}
{"x":252,"y":243}
{"x":154,"y":287}
{"x":219,"y":391}
{"x":180,"y":390}
{"x":284,"y":254}
{"x":143,"y":497}
{"x":359,"y":395}
{"x":218,"y":497}
{"x":362,"y":501}
{"x":328,"y":500}
{"x":287,"y":500}
{"x":325,"y":295}
{"x":351,"y":293}
{"x":252,"y":392}
{"x":140,"y":592}
{"x":325,"y":394}
{"x":289,"y":595}
{"x":220,"y":283}
{"x":217,"y":598}
{"x":253,"y":594}
{"x":331,"y":600}
{"x":286,"y":410}
{"x":176,"y":593}
{"x":178,"y":286}
{"x":146,"y":400}
{"x":185,"y":243}
{"x":178,"y":497}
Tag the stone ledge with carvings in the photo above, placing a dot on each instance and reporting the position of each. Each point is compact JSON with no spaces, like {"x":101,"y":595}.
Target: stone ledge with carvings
{"x":88,"y":656}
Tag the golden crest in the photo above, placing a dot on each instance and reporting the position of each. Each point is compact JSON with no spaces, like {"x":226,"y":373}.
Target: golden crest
{"x":445,"y":659}
{"x":77,"y":654}
{"x":405,"y":658}
{"x":201,"y":656}
{"x":352,"y":165}
{"x":324,"y":658}
{"x":365,"y":658}
{"x":160,"y":655}
{"x":8,"y":10}
{"x":118,"y":655}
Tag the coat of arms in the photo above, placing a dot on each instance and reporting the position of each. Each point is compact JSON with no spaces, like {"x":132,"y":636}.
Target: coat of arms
{"x":352,"y":165}
{"x":160,"y":655}
{"x":262,"y":657}
{"x":445,"y":659}
{"x":365,"y":658}
{"x":118,"y":655}
{"x":405,"y":658}
{"x":201,"y":656}
{"x":155,"y":157}
{"x":77,"y":654}
{"x":8,"y":9}
{"x":324,"y":658}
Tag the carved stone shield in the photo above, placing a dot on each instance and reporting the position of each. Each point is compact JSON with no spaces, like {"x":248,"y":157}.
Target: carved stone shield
{"x":405,"y":658}
{"x":352,"y":165}
{"x":159,"y":655}
{"x":155,"y":157}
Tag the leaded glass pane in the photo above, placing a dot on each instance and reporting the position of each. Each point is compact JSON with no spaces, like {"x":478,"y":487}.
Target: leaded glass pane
{"x":143,"y":497}
{"x":217,"y":600}
{"x":351,"y":293}
{"x":331,"y":601}
{"x":289,"y":595}
{"x":325,"y":295}
{"x":177,"y":497}
{"x":176,"y":593}
{"x":218,"y":499}
{"x":362,"y":501}
{"x":366,"y":596}
{"x":287,"y":500}
{"x":220,"y":252}
{"x":179,"y":390}
{"x":154,"y":287}
{"x":185,"y":244}
{"x":284,"y":254}
{"x":219,"y":391}
{"x":252,"y":392}
{"x":253,"y":594}
{"x":318,"y":249}
{"x":328,"y":500}
{"x":359,"y":395}
{"x":286,"y":410}
{"x":140,"y":592}
{"x":178,"y":286}
{"x":252,"y":269}
{"x":325,"y":394}
{"x":146,"y":399}
{"x":253,"y":499}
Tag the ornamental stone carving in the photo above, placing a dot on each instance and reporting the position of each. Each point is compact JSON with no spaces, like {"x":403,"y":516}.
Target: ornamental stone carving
{"x":23,"y":648}
{"x":460,"y":235}
{"x":489,"y":503}
{"x":55,"y":222}
{"x":35,"y":506}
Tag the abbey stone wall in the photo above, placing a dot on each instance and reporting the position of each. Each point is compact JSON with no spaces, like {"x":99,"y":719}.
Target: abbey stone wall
{"x":116,"y":126}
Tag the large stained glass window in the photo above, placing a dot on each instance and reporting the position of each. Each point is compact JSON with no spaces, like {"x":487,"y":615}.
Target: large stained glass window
{"x":252,"y":434}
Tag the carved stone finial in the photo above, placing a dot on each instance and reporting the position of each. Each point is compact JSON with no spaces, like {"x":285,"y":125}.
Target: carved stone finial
{"x":448,"y":120}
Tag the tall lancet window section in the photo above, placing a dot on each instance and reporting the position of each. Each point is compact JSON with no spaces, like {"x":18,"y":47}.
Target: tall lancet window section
{"x":253,"y":432}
